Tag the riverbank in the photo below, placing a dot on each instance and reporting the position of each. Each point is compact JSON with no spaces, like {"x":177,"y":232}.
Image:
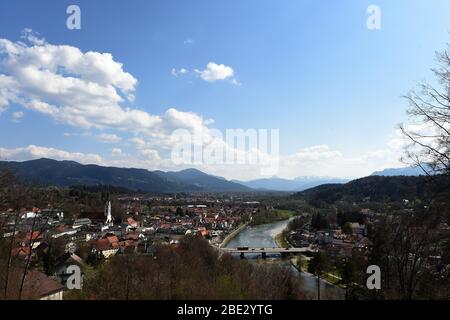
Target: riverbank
{"x":263,"y":236}
{"x":233,"y":234}
{"x":271,"y":216}
{"x":281,"y":241}
{"x":327,"y":278}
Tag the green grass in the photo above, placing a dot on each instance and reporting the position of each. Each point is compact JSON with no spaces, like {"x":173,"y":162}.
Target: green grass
{"x":281,"y":241}
{"x":268,"y":216}
{"x":302,"y":263}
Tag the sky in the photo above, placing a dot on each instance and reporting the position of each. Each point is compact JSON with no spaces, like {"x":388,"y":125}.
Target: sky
{"x":115,"y":91}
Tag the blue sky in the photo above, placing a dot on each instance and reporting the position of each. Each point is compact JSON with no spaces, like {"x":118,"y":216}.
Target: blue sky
{"x":311,"y":69}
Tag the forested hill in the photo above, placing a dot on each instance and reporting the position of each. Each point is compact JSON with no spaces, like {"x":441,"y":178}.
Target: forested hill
{"x":69,"y":173}
{"x":380,"y":188}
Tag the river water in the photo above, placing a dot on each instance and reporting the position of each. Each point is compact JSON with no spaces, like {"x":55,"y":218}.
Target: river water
{"x":264,"y":236}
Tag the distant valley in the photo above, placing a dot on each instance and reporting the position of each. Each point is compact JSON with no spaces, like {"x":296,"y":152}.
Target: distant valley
{"x":298,"y":184}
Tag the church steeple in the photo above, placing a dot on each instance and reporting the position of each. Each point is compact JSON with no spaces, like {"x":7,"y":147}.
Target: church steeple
{"x":109,"y":218}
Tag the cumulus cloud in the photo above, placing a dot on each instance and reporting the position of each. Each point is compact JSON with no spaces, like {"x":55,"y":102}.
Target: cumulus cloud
{"x":32,"y":37}
{"x":212,"y":73}
{"x":215,"y":72}
{"x":320,"y":160}
{"x":36,"y":152}
{"x":116,"y":152}
{"x":16,"y":116}
{"x":109,"y":138}
{"x":84,"y":89}
{"x":90,"y":90}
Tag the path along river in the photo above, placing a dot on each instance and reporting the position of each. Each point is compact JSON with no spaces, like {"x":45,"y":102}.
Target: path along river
{"x":264,"y":236}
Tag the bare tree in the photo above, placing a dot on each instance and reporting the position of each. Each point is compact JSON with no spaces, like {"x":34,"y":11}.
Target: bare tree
{"x":429,"y":134}
{"x":13,"y":195}
{"x":8,"y":194}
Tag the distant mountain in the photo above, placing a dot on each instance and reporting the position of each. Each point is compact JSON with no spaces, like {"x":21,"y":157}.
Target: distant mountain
{"x":202,"y":180}
{"x":297,"y":184}
{"x":407,"y":171}
{"x":68,"y":173}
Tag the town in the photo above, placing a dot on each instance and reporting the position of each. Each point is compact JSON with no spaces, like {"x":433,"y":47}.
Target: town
{"x":134,"y":228}
{"x":49,"y":241}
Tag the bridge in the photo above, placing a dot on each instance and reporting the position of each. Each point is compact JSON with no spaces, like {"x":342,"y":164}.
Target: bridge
{"x":264,"y":251}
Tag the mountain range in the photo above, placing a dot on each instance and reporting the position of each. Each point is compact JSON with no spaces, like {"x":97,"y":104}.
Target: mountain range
{"x":304,"y":183}
{"x":71,"y":173}
{"x":407,"y":171}
{"x":297,"y":184}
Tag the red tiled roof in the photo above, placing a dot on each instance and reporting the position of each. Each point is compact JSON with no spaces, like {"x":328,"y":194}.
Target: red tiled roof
{"x":35,"y":235}
{"x":21,"y":251}
{"x":102,"y":244}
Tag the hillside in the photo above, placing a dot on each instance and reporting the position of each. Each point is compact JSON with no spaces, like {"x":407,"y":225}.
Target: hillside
{"x":69,"y":173}
{"x":378,"y":188}
{"x":202,"y":180}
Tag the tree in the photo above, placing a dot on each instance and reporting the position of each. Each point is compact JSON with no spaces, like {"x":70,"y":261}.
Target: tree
{"x":179,"y":211}
{"x":319,"y":265}
{"x":413,"y":240}
{"x":193,"y":270}
{"x":347,"y":228}
{"x":429,"y":135}
{"x":319,"y":221}
{"x":406,"y":247}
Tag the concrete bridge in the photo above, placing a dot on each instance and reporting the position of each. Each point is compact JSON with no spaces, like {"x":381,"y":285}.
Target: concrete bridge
{"x":264,"y":251}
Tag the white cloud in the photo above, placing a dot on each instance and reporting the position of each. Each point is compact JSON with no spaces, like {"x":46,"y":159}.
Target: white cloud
{"x":150,"y":154}
{"x":323,"y":160}
{"x":83,"y":89}
{"x":89,"y":89}
{"x":215,"y":72}
{"x":37,"y":152}
{"x":116,"y":152}
{"x":109,"y":138}
{"x":320,"y":160}
{"x":177,"y":73}
{"x":32,"y":37}
{"x":16,"y":116}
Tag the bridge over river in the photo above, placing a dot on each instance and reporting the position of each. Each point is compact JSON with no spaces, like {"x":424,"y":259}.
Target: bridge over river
{"x":264,"y":251}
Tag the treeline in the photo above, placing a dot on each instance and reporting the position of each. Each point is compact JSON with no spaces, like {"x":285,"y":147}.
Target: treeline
{"x":192,"y":270}
{"x":413,"y":254}
{"x":16,"y":194}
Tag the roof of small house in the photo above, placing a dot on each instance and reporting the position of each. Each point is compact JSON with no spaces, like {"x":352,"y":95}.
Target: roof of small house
{"x":21,"y":251}
{"x":68,"y":258}
{"x":40,"y":285}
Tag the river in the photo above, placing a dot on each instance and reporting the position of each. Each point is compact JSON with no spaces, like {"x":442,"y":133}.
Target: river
{"x":264,"y":236}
